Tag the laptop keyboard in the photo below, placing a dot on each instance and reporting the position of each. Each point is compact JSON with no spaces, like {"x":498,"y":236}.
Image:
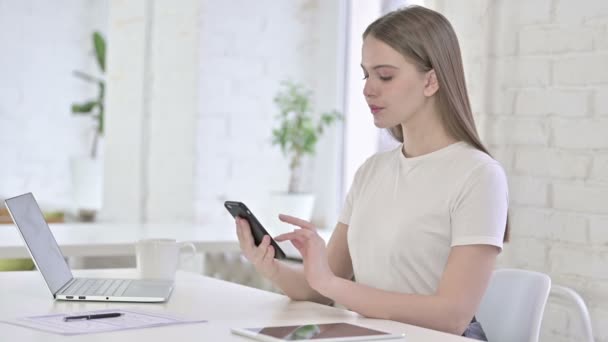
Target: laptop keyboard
{"x":98,"y":287}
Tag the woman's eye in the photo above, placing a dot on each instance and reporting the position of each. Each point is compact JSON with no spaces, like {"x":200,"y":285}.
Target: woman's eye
{"x":386,"y":78}
{"x":365,"y":77}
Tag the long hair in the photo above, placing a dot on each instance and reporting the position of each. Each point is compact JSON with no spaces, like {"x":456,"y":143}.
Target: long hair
{"x":426,"y":39}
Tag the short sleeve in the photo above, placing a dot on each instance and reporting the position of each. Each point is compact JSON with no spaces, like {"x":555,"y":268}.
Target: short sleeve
{"x":479,"y":212}
{"x":347,"y":209}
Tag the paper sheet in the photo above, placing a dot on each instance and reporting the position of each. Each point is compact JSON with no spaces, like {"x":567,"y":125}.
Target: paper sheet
{"x":131,"y":319}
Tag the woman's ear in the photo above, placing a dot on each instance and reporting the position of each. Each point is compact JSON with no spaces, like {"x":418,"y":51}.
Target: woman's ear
{"x":431,"y":85}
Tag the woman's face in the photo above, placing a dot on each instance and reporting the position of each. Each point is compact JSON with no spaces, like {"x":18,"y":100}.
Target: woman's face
{"x":394,"y":89}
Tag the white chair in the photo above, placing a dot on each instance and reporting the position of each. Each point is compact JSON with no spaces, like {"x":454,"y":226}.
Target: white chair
{"x":513,"y":305}
{"x":568,"y":293}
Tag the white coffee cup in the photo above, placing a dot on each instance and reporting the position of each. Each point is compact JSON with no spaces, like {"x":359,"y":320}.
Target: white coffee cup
{"x":160,"y":258}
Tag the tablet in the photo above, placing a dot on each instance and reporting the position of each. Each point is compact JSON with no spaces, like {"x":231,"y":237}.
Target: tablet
{"x":342,"y":332}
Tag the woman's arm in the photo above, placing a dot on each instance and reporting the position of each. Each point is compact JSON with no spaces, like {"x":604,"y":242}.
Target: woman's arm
{"x":290,"y":277}
{"x":292,"y":280}
{"x":450,"y":309}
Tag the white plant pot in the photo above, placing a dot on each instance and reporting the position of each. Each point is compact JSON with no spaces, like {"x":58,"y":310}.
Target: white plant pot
{"x":87,"y":183}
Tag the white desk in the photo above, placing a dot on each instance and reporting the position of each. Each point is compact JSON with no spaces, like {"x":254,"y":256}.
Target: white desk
{"x":111,"y":239}
{"x":224,"y":305}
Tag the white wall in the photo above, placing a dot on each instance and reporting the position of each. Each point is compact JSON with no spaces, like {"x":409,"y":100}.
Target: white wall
{"x":246,"y":50}
{"x":152,"y":107}
{"x":538,"y":78}
{"x":42,"y":43}
{"x":175,"y":147}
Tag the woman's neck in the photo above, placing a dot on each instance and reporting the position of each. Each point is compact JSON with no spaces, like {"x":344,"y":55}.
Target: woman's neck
{"x":425,"y":135}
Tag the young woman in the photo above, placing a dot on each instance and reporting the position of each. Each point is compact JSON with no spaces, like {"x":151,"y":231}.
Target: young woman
{"x":422,"y":224}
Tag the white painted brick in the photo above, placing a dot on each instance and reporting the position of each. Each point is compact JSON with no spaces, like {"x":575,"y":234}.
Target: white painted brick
{"x":599,"y":317}
{"x":579,"y":261}
{"x":598,"y":229}
{"x":46,"y":43}
{"x":547,"y":162}
{"x":581,"y":70}
{"x":524,"y":253}
{"x":542,"y":40}
{"x":594,"y":292}
{"x":509,"y":131}
{"x":547,"y":224}
{"x":212,"y":133}
{"x":553,"y":335}
{"x":601,"y":101}
{"x":528,"y":191}
{"x":552,"y":101}
{"x":573,"y":197}
{"x":245,"y":54}
{"x":600,"y":38}
{"x":499,"y":101}
{"x":522,"y":12}
{"x":466,"y":24}
{"x":582,"y":134}
{"x":599,"y":168}
{"x":212,"y":174}
{"x":241,"y":128}
{"x":504,"y":155}
{"x":505,"y":42}
{"x":572,"y":12}
{"x":521,"y":72}
{"x":556,"y":322}
{"x":510,"y":15}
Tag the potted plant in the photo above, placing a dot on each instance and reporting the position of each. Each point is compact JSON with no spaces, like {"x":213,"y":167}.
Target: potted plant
{"x":87,"y":172}
{"x":299,"y":129}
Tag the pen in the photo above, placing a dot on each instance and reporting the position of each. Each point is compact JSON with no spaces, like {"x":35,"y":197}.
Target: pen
{"x":95,"y":316}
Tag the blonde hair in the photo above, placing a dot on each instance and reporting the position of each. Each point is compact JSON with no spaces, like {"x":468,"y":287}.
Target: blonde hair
{"x":426,"y":39}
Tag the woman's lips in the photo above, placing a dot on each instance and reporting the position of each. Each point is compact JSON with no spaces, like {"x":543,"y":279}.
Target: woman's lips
{"x":375,"y":109}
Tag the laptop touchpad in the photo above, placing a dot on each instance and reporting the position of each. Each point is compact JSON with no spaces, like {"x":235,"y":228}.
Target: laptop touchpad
{"x":144,"y":288}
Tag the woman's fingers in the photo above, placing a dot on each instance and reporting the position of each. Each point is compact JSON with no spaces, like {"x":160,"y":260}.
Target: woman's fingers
{"x":302,"y":233}
{"x":261,"y":250}
{"x":269,"y":255}
{"x":245,"y":231}
{"x":299,"y":245}
{"x":297,"y":222}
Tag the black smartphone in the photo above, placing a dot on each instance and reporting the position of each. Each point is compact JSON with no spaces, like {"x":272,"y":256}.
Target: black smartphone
{"x":239,"y":209}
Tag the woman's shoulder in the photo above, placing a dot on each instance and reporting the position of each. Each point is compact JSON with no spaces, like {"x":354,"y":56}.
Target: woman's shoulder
{"x":381,"y":158}
{"x":473,"y":163}
{"x":470,"y":157}
{"x":377,"y":161}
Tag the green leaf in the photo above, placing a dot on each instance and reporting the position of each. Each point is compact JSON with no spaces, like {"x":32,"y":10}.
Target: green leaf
{"x":86,"y":77}
{"x":84,"y":108}
{"x":299,"y":127}
{"x":100,"y":50}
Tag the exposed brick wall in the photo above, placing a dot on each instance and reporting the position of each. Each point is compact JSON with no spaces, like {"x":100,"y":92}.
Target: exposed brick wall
{"x":42,"y":43}
{"x":246,"y":51}
{"x":538,"y":79}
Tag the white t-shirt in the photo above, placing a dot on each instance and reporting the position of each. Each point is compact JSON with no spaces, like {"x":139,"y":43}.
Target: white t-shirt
{"x":405,"y":214}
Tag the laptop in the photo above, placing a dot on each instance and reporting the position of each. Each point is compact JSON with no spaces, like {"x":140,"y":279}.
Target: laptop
{"x":47,"y":256}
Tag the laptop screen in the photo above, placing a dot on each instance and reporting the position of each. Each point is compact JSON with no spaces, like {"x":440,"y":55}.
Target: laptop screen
{"x":39,"y":240}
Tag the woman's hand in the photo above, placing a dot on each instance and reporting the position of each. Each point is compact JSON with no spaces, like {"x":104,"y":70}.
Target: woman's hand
{"x":314,"y":254}
{"x":262,"y":256}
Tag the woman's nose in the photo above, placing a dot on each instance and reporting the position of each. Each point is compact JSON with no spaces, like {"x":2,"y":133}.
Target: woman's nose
{"x":368,"y":91}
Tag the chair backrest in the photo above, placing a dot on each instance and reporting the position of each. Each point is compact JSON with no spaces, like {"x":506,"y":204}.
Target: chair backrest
{"x":568,"y":293}
{"x":512,"y":307}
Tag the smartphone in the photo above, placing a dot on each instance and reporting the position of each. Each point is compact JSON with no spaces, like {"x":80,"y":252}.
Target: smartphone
{"x":239,"y":209}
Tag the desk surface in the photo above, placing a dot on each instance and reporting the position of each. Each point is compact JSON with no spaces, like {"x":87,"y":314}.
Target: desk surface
{"x":111,"y":239}
{"x":225,"y":305}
